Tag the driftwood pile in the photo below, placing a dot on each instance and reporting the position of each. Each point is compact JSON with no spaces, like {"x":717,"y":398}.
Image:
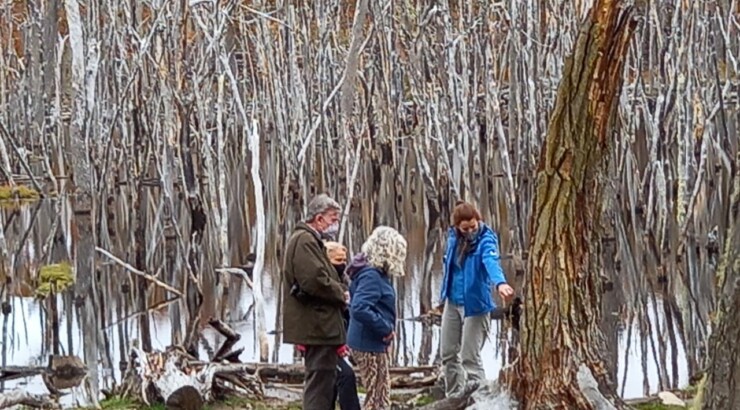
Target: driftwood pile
{"x":179,"y":380}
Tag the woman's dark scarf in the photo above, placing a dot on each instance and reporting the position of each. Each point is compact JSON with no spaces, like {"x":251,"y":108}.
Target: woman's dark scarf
{"x":465,"y":244}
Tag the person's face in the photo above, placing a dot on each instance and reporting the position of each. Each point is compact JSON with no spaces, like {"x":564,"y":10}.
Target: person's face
{"x":327,"y":219}
{"x":468,"y":227}
{"x":337,"y":256}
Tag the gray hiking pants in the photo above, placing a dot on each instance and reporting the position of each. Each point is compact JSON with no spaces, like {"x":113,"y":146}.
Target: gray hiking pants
{"x":461,"y":343}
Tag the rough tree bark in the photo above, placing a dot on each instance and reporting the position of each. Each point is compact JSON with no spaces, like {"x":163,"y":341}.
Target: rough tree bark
{"x":563,"y":286}
{"x":83,"y":202}
{"x":722,"y":385}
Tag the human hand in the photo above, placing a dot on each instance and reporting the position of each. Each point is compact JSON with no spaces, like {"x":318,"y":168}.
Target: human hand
{"x":346,"y":297}
{"x":505,"y":291}
{"x":343,"y":351}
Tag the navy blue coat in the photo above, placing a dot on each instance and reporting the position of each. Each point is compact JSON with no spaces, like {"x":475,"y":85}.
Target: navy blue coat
{"x":372,"y":310}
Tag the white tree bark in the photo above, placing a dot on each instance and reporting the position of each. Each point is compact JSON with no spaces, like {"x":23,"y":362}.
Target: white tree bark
{"x":259,"y":265}
{"x":223,"y":213}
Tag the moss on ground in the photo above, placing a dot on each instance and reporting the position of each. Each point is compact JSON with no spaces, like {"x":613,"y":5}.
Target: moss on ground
{"x":658,"y":406}
{"x":119,"y":403}
{"x":58,"y":276}
{"x":423,"y":400}
{"x":242,"y":403}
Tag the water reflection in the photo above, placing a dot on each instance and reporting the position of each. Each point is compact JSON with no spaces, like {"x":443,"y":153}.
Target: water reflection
{"x":32,"y":236}
{"x":25,"y":340}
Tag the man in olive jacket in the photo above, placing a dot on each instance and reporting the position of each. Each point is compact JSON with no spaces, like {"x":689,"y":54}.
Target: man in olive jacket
{"x":313,"y":301}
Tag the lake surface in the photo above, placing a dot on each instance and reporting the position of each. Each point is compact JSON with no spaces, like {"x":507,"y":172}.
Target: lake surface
{"x":23,"y":345}
{"x":24,"y":333}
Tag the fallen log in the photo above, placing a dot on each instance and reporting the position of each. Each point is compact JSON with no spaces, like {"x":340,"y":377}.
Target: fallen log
{"x":23,"y":398}
{"x":8,"y":373}
{"x":401,"y":377}
{"x":176,"y":377}
{"x":173,"y":377}
{"x":62,"y":372}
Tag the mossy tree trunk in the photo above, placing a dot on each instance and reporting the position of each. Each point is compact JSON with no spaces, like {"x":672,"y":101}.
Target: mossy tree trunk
{"x":563,"y":286}
{"x":722,"y":386}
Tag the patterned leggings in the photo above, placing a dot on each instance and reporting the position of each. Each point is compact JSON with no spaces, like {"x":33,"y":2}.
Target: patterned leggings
{"x":375,"y":378}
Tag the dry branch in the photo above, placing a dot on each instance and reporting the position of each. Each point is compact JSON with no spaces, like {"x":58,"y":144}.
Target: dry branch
{"x":137,"y":272}
{"x":231,"y":339}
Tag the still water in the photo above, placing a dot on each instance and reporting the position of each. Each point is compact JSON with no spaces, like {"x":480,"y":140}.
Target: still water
{"x":23,"y":345}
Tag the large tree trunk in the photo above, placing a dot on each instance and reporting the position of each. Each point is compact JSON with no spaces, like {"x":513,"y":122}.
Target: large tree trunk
{"x":563,"y":286}
{"x":722,"y":387}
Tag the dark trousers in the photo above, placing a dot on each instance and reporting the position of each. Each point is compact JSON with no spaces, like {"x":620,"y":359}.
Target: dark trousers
{"x":346,"y":387}
{"x":321,"y":375}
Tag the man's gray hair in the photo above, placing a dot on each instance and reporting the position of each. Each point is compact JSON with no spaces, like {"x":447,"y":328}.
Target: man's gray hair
{"x":320,"y":205}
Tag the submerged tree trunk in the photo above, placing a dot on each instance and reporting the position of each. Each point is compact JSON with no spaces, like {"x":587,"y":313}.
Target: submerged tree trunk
{"x":722,"y":386}
{"x":563,"y":286}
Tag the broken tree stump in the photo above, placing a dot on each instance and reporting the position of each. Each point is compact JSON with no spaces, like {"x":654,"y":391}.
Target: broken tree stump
{"x":174,"y":378}
{"x":401,"y":377}
{"x":185,"y":398}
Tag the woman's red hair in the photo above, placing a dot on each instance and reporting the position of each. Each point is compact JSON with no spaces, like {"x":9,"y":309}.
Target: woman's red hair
{"x":464,"y":211}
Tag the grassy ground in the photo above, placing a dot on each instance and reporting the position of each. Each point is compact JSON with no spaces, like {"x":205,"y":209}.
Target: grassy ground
{"x":117,"y":403}
{"x":228,"y":404}
{"x":241,"y":403}
{"x":658,"y":406}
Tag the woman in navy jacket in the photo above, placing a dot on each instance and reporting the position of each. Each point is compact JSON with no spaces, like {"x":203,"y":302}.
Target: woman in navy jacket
{"x":471,"y":268}
{"x":373,"y":311}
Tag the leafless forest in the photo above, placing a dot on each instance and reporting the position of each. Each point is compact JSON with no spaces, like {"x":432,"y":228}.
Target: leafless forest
{"x":171,"y":138}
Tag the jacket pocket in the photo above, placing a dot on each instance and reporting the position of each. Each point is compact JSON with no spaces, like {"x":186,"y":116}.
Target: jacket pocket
{"x":326,"y":322}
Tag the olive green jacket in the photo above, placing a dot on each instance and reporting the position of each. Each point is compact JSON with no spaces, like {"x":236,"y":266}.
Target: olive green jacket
{"x":314,"y":318}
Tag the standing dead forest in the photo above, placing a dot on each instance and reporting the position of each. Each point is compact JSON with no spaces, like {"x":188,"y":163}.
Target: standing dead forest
{"x":155,"y":155}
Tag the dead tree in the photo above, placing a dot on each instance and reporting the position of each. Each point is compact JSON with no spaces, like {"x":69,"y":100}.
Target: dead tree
{"x":722,"y":385}
{"x":560,"y":333}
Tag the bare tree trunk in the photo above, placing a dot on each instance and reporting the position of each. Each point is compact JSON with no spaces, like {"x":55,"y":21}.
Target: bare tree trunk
{"x":563,"y":286}
{"x":722,"y":387}
{"x":259,"y":301}
{"x":84,"y":200}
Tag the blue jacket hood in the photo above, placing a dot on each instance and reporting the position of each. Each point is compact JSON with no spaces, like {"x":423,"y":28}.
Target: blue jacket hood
{"x":358,"y":263}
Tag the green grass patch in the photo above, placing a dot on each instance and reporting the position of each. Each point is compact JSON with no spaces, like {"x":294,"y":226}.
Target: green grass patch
{"x":423,"y":400}
{"x":244,"y":403}
{"x":121,"y":403}
{"x":658,"y":406}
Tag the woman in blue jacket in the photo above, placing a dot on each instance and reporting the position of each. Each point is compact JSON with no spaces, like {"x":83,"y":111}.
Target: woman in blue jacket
{"x":471,"y":268}
{"x":373,"y":311}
